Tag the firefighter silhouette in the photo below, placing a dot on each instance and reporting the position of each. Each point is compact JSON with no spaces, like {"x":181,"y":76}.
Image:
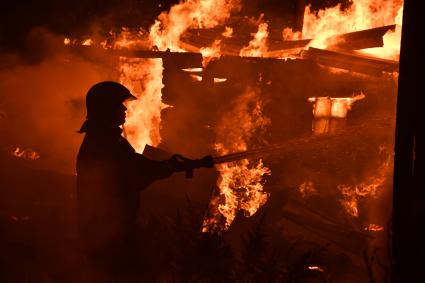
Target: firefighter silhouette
{"x":110,"y":175}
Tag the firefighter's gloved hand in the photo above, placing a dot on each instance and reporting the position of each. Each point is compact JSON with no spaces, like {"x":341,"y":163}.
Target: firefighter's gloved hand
{"x":206,"y":161}
{"x":181,"y":163}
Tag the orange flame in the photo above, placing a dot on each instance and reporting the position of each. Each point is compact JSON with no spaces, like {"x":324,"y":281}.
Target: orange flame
{"x":289,"y":34}
{"x":210,"y":53}
{"x":28,"y":154}
{"x":193,"y":70}
{"x":143,"y":77}
{"x":391,"y":48}
{"x":369,"y":188}
{"x":360,"y":15}
{"x":88,"y":42}
{"x":307,"y":189}
{"x":240,"y":183}
{"x":228,"y":32}
{"x":220,"y":80}
{"x":131,"y":39}
{"x":166,"y":31}
{"x":316,"y":268}
{"x":196,"y":78}
{"x":257,"y":47}
{"x":374,"y":228}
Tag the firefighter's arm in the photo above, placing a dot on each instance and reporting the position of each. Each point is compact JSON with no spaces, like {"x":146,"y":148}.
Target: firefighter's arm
{"x":159,"y":169}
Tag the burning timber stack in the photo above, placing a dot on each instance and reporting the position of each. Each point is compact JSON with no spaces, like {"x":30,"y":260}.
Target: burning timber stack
{"x":335,"y":150}
{"x":334,"y":108}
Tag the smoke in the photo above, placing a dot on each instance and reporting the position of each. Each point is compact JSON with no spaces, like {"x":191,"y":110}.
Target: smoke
{"x":42,"y":99}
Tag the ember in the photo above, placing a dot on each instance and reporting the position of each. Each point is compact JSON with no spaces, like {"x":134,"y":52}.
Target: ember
{"x":220,"y":80}
{"x":307,"y":189}
{"x":28,"y":154}
{"x":374,"y":228}
{"x":87,"y":42}
{"x":193,"y":70}
{"x":166,"y":32}
{"x":196,"y":78}
{"x":317,"y":268}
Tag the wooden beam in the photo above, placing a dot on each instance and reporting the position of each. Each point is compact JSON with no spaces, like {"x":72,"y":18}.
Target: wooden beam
{"x":360,"y":39}
{"x":350,"y":61}
{"x":182,"y":59}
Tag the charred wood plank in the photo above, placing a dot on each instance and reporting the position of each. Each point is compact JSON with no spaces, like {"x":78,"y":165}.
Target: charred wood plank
{"x":276,"y":47}
{"x":183,"y":59}
{"x":348,"y":239}
{"x":360,"y":39}
{"x":348,"y":61}
{"x":287,"y":44}
{"x":235,"y":67}
{"x":193,"y":40}
{"x":352,"y":62}
{"x":326,"y":226}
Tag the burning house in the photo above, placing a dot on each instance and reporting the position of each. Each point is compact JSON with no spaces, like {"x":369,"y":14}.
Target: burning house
{"x":300,"y":119}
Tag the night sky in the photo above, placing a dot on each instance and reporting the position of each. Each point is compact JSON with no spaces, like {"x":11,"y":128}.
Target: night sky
{"x":71,"y":17}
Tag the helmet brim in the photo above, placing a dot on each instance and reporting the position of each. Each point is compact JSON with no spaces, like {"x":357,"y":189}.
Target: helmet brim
{"x":128,"y":97}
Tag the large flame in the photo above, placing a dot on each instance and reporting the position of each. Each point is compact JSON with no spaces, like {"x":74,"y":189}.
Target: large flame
{"x":240,"y":183}
{"x":321,"y":26}
{"x":143,"y":77}
{"x":166,"y":31}
{"x":391,"y":48}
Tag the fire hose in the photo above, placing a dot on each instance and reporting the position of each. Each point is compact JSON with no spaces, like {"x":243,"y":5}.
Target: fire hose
{"x":188,"y":165}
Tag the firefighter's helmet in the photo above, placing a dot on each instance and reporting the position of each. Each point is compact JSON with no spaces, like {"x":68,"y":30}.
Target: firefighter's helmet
{"x":105,"y":96}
